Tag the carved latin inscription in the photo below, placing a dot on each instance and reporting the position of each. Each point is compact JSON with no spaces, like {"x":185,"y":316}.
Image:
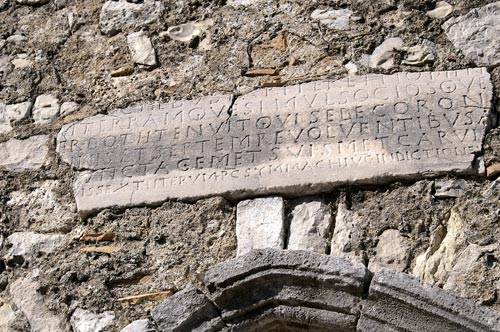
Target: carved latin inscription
{"x":295,"y":139}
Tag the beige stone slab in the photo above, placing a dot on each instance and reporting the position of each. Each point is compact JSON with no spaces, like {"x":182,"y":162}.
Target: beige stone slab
{"x":289,"y":140}
{"x":260,"y":224}
{"x":310,"y":225}
{"x":18,"y":155}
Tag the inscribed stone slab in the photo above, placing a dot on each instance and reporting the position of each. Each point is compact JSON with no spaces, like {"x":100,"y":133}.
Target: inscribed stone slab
{"x":290,"y":140}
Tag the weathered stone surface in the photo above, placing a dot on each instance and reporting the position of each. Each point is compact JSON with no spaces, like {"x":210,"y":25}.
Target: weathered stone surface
{"x":166,"y":144}
{"x":11,"y":113}
{"x":32,"y":2}
{"x":18,"y":155}
{"x":141,"y":48}
{"x":42,"y":209}
{"x":493,"y":171}
{"x":435,"y":264}
{"x":269,"y":288}
{"x":118,"y":15}
{"x":308,"y":138}
{"x":184,"y":32}
{"x":470,"y":275}
{"x":383,"y":55}
{"x":24,"y":245}
{"x":391,"y":252}
{"x":16,"y":39}
{"x":398,"y":302}
{"x":333,"y":19}
{"x":442,"y":10}
{"x":295,"y":260}
{"x":310,"y":226}
{"x":260,"y":223}
{"x":186,"y":311}
{"x":6,"y":316}
{"x":346,"y":234}
{"x":352,"y":68}
{"x":68,"y":108}
{"x":22,"y":63}
{"x":87,"y":321}
{"x":449,"y":188}
{"x":142,"y":325}
{"x":46,"y":108}
{"x":24,"y":295}
{"x":18,"y":111}
{"x":477,"y":35}
{"x":420,"y":55}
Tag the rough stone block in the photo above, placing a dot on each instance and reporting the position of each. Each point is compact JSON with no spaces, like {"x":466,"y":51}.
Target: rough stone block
{"x":383,"y":55}
{"x":24,"y":245}
{"x":434,"y":265}
{"x":187,"y":311}
{"x":119,"y":15}
{"x":310,"y":226}
{"x":333,"y":19}
{"x":46,"y":108}
{"x":43,"y":209}
{"x":68,"y":108}
{"x":18,"y":155}
{"x":31,"y":303}
{"x":346,"y":234}
{"x":141,"y":325}
{"x":476,"y":34}
{"x":391,"y":251}
{"x":442,"y":10}
{"x":12,"y":113}
{"x":449,"y":188}
{"x":88,"y":321}
{"x":141,"y":48}
{"x":306,"y":138}
{"x":260,"y":223}
{"x":7,"y":316}
{"x":18,"y":111}
{"x":401,"y":303}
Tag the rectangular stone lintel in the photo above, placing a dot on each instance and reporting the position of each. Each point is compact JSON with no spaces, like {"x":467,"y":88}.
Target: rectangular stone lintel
{"x":293,"y":140}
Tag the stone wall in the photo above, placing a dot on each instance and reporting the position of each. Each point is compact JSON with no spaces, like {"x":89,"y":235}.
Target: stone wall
{"x":144,"y":142}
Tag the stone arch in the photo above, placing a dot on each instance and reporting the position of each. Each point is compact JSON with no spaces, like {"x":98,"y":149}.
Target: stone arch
{"x":278,"y":291}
